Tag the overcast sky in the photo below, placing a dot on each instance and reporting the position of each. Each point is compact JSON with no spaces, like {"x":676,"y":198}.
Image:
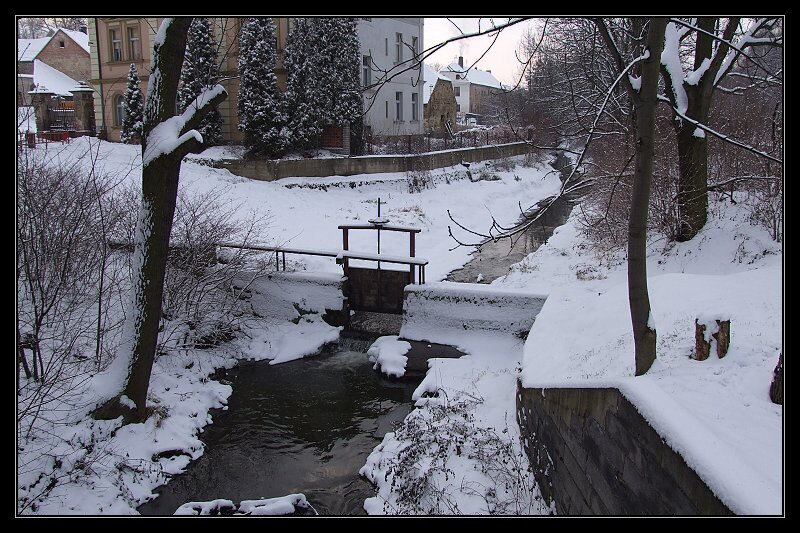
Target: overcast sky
{"x":500,"y":59}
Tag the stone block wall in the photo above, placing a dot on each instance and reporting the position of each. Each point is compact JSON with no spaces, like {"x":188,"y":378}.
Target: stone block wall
{"x":594,"y":454}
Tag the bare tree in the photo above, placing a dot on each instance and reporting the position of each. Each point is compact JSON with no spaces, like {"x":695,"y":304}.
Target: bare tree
{"x":166,"y":140}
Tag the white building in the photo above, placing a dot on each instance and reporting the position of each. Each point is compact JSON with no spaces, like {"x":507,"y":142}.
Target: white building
{"x":388,"y":48}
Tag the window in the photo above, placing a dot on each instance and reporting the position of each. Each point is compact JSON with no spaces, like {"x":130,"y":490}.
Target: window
{"x":119,"y":110}
{"x":386,"y":42}
{"x":458,"y":107}
{"x":387,"y":108}
{"x":134,"y":43}
{"x":61,"y":44}
{"x":398,"y":102}
{"x":398,"y":47}
{"x":457,"y":90}
{"x":367,"y":70}
{"x":414,"y":45}
{"x":414,"y":107}
{"x":116,"y":44}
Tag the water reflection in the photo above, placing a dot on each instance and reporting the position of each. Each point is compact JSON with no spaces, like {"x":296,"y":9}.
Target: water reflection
{"x":305,"y":426}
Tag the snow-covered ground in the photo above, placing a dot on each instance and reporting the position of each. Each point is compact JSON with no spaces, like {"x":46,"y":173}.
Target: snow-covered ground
{"x":102,"y":467}
{"x":717,"y":413}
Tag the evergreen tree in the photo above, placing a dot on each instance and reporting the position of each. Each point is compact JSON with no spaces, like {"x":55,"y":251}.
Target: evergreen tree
{"x":301,"y":102}
{"x":132,"y":123}
{"x":261,"y":116}
{"x":199,"y":72}
{"x":339,"y":74}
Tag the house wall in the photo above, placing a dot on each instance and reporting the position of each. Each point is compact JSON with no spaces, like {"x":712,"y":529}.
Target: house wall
{"x":482,"y":98}
{"x":72,"y":60}
{"x":441,"y":107}
{"x":380,"y":105}
{"x":463,"y":98}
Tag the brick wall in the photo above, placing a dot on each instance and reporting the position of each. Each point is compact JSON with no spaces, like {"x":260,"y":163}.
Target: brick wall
{"x":72,"y":60}
{"x":593,"y":453}
{"x":441,"y":106}
{"x":332,"y":137}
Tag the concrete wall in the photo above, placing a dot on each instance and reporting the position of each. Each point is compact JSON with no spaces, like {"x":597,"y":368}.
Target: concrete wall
{"x":269,"y":170}
{"x":447,"y":311}
{"x":593,"y":453}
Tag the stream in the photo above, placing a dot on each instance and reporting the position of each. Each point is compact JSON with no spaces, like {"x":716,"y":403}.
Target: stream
{"x":308,"y":426}
{"x":305,"y":426}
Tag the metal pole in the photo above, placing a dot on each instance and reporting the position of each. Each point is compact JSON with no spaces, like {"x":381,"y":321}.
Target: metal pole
{"x":411,"y":234}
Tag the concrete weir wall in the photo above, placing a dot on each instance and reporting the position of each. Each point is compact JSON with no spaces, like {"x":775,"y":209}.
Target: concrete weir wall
{"x":269,"y":170}
{"x":461,"y":308}
{"x":594,"y":454}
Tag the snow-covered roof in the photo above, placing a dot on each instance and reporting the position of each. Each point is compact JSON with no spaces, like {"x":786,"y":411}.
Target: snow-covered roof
{"x":79,"y":37}
{"x":474,"y":75}
{"x":55,"y":80}
{"x":430,"y":77}
{"x":28,"y":49}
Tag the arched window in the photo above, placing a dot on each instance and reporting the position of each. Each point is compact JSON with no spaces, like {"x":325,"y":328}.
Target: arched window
{"x":119,"y":110}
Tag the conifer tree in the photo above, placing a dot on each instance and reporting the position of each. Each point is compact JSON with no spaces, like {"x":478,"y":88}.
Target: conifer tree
{"x":301,"y":101}
{"x":132,"y":123}
{"x":200,"y":72}
{"x":261,"y":116}
{"x":340,"y":84}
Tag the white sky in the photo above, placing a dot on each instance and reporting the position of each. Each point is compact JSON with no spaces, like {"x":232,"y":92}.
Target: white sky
{"x":500,"y":59}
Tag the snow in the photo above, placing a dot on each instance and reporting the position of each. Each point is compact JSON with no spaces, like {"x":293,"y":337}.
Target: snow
{"x":56,"y":81}
{"x":26,"y":119}
{"x":671,"y":61}
{"x":166,"y":137}
{"x":79,"y":37}
{"x":699,"y":133}
{"x":474,"y":75}
{"x":28,"y":49}
{"x":265,"y":507}
{"x":303,"y":213}
{"x":716,"y":413}
{"x":388,"y":354}
{"x":430,"y":78}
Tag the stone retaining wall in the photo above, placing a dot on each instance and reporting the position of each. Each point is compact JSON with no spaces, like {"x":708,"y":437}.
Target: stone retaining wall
{"x":593,"y":453}
{"x":269,"y":170}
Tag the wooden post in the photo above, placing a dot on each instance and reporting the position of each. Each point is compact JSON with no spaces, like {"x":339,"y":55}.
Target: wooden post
{"x":411,"y":253}
{"x":721,"y":334}
{"x":345,"y":247}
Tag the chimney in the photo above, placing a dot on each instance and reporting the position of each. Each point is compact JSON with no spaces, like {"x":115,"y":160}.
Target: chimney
{"x":461,"y":61}
{"x":84,"y":29}
{"x":489,"y":71}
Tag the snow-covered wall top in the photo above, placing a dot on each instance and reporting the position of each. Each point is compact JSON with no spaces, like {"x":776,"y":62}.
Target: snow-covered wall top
{"x":445,"y":311}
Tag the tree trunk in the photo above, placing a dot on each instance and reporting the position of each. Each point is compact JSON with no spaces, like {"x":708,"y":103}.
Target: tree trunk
{"x":693,"y":181}
{"x":159,"y":196}
{"x":644,"y":333}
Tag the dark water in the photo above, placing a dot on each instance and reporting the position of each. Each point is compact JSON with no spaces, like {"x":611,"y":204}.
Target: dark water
{"x":304,"y":426}
{"x":494,"y":259}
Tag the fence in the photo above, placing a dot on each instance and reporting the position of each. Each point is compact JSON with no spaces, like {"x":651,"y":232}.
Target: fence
{"x":420,"y":143}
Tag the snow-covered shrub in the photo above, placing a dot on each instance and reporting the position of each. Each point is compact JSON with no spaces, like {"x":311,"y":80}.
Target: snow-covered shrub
{"x":423,"y":474}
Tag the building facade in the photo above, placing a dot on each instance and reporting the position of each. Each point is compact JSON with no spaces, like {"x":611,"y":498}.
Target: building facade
{"x":67,"y":52}
{"x":393,"y":107}
{"x":391,"y":74}
{"x":475,"y":90}
{"x":439,"y":102}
